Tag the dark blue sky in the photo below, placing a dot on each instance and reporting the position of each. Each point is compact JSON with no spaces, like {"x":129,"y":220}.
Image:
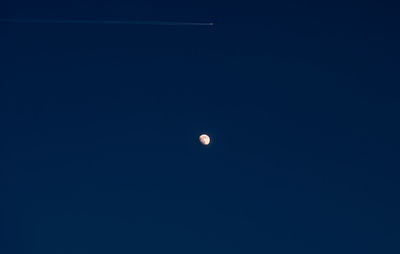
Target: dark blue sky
{"x":99,"y":127}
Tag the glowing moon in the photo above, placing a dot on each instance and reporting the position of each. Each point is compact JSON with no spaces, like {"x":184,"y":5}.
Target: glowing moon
{"x":204,"y":139}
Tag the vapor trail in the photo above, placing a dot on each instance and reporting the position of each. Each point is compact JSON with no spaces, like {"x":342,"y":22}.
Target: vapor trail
{"x":110,"y":22}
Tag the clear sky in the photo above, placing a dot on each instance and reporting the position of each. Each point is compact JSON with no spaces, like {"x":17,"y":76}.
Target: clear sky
{"x":99,"y":127}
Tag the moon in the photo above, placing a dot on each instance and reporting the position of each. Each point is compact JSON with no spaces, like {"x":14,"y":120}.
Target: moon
{"x":204,"y":139}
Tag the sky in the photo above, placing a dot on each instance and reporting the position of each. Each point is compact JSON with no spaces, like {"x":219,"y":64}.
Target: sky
{"x":99,"y":127}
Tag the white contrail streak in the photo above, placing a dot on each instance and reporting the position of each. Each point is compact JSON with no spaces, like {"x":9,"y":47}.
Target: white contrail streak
{"x":110,"y":22}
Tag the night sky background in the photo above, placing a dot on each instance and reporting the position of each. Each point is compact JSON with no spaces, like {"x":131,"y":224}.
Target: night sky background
{"x":99,"y":127}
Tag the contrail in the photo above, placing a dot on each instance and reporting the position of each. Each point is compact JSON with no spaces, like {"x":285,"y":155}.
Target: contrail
{"x":108,"y":22}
